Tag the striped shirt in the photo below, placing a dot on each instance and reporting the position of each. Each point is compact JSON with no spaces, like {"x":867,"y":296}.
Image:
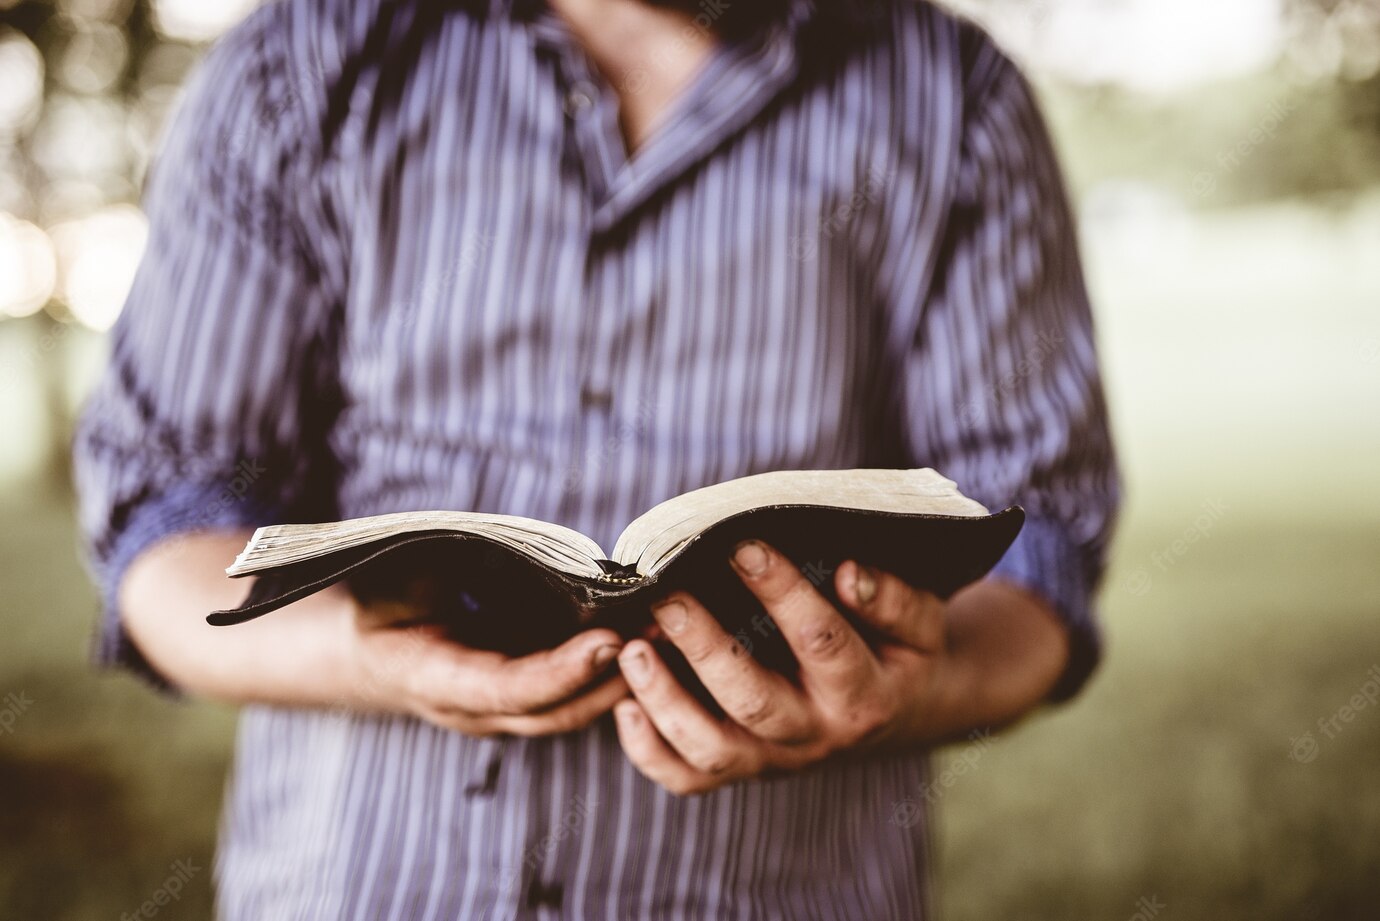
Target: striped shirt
{"x":399,"y":259}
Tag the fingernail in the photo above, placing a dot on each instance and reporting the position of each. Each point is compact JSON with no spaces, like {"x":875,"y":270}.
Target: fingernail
{"x":864,"y":585}
{"x":636,"y":668}
{"x":603,"y":656}
{"x":672,"y":615}
{"x":751,"y":557}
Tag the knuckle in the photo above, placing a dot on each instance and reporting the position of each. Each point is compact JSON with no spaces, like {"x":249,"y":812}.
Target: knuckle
{"x":756,"y":709}
{"x":674,"y":730}
{"x":699,"y":652}
{"x":824,"y":639}
{"x":866,"y":715}
{"x":715,"y":762}
{"x":795,"y":732}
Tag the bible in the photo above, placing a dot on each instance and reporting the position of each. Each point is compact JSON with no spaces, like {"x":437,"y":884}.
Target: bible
{"x":517,"y":585}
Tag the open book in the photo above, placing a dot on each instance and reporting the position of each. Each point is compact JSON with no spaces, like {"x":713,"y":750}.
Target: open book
{"x":519,"y":584}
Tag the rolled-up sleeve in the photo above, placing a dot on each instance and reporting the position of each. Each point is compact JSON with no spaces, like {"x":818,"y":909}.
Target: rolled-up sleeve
{"x":1003,"y":392}
{"x":221,"y":375}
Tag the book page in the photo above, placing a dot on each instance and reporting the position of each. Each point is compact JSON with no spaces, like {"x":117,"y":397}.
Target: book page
{"x":557,"y":546}
{"x":655,"y":536}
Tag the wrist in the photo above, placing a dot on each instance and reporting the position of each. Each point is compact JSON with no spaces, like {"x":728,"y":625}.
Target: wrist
{"x":359,"y":681}
{"x":945,"y":707}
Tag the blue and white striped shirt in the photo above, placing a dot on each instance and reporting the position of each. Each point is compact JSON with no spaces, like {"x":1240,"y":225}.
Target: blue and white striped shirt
{"x":399,"y":259}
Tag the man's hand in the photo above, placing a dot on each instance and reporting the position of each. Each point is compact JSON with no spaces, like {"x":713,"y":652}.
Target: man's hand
{"x":329,"y":650}
{"x":936,"y":675}
{"x":416,"y":670}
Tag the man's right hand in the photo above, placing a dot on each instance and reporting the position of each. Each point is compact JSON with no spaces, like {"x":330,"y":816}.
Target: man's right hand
{"x":417,"y":670}
{"x":328,"y":650}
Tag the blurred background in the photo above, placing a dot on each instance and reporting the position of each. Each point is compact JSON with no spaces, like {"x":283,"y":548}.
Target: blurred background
{"x":1225,"y":159}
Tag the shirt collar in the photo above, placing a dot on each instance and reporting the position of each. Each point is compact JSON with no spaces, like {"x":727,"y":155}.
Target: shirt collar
{"x":737,"y":84}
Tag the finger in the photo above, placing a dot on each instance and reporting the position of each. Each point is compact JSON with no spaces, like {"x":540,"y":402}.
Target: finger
{"x":650,"y":754}
{"x":573,"y":714}
{"x":709,"y":745}
{"x":908,"y":615}
{"x":834,"y":660}
{"x":484,"y":682}
{"x":757,"y":698}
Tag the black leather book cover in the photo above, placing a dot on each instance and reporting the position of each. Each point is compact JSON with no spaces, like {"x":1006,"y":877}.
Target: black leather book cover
{"x":489,"y":596}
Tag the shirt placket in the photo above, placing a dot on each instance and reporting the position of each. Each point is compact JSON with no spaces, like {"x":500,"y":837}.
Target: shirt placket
{"x":596,"y":154}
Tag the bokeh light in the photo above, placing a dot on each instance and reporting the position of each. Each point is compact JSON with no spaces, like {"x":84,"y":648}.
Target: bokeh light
{"x":28,"y":269}
{"x":98,"y":256}
{"x":198,"y":20}
{"x":92,"y":57}
{"x":81,"y":137}
{"x":112,"y":11}
{"x":21,"y":82}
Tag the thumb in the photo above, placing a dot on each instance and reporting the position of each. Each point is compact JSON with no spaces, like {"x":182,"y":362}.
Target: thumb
{"x":908,"y":615}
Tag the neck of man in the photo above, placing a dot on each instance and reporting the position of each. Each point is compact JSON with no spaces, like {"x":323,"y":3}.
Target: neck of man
{"x":630,"y":40}
{"x":648,"y":52}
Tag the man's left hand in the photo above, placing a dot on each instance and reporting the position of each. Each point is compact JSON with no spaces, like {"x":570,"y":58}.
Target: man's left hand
{"x":848,"y":694}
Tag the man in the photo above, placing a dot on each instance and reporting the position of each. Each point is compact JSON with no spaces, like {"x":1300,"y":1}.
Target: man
{"x":565,"y":260}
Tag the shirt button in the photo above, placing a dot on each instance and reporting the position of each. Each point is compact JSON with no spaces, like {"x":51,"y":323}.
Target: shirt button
{"x":595,"y":398}
{"x":545,"y":895}
{"x":486,"y":786}
{"x":579,"y":100}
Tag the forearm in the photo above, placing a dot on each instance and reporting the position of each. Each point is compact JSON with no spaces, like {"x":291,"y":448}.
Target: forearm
{"x":1005,"y":649}
{"x":299,"y":656}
